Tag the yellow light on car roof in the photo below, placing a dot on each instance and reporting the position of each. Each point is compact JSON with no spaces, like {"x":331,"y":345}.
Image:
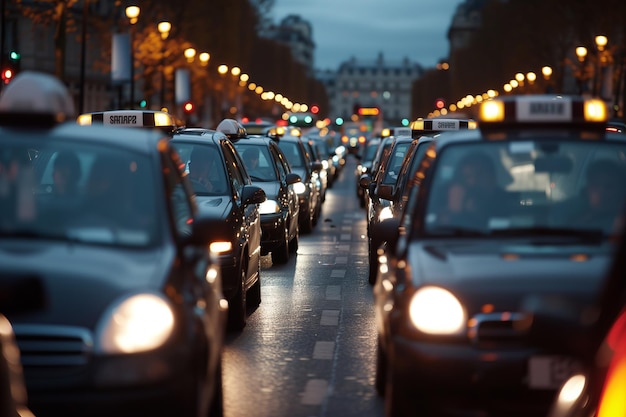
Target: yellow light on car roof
{"x":84,"y":119}
{"x":162,"y":119}
{"x":471,"y":124}
{"x":418,"y":124}
{"x":595,"y":110}
{"x":492,"y":111}
{"x":385,"y":133}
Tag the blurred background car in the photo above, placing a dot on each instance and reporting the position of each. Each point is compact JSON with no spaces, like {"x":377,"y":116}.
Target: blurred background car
{"x":268,"y":168}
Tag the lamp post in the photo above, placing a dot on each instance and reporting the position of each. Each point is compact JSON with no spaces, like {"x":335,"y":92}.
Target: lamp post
{"x":581,"y":53}
{"x":164,"y":29}
{"x":132,"y":13}
{"x":546,"y":71}
{"x":604,"y":59}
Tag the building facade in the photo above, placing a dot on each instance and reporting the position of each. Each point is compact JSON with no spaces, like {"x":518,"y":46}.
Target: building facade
{"x":297,"y":33}
{"x":380,"y":83}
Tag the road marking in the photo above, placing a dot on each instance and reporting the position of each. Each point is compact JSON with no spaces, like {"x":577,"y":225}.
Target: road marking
{"x":314,"y":392}
{"x":329,"y":318}
{"x":346,"y":228}
{"x":341,"y":260}
{"x":343,"y":248}
{"x":323,"y":350}
{"x":345,"y":236}
{"x":338,"y":273}
{"x":333,"y":292}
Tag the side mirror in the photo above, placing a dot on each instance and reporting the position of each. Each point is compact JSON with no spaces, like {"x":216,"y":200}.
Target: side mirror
{"x":292,"y":178}
{"x":387,"y":231}
{"x":385,"y":191}
{"x":364,"y":181}
{"x":316,"y":166}
{"x":253,"y":195}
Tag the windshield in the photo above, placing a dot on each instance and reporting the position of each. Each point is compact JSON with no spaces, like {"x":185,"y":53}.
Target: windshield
{"x":79,"y":192}
{"x":293,"y":153}
{"x":204,"y":168}
{"x":257,"y":161}
{"x":496,"y":187}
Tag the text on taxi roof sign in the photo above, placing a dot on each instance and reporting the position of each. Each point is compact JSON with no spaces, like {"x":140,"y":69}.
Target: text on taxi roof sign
{"x":544,"y":110}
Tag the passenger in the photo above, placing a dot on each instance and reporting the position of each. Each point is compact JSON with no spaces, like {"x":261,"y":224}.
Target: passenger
{"x":66,"y":173}
{"x":474,"y":196}
{"x":603,"y":197}
{"x":200,"y":165}
{"x":251,"y":158}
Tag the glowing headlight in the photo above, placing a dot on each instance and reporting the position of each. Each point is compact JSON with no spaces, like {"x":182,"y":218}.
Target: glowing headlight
{"x":571,"y":390}
{"x":220,"y":246}
{"x":434,"y":310}
{"x":299,"y":188}
{"x":269,"y":207}
{"x":325,"y":164}
{"x":385,"y":213}
{"x":137,"y":324}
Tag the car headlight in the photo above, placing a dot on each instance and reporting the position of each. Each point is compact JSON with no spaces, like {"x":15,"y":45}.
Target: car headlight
{"x":434,"y":310}
{"x":139,"y":323}
{"x":269,"y":207}
{"x":325,"y":164}
{"x":299,"y":188}
{"x":385,"y":213}
{"x":220,"y":246}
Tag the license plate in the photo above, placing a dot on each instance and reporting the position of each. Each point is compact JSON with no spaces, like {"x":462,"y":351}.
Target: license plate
{"x":549,"y":372}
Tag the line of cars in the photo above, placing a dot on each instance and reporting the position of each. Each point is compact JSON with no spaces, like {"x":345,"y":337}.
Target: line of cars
{"x":145,"y":245}
{"x":505,"y":232}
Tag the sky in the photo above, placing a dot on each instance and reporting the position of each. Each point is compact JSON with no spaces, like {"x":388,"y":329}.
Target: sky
{"x":416,"y":29}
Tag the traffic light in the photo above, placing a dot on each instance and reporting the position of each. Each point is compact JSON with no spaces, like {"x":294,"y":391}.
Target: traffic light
{"x":7,"y":75}
{"x":315,"y":109}
{"x":440,"y":103}
{"x":143,"y":104}
{"x":188,"y":107}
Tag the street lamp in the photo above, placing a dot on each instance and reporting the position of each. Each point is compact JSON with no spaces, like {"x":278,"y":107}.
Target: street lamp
{"x":189,"y":53}
{"x":546,"y":71}
{"x":132,"y":13}
{"x":204,"y":58}
{"x":164,"y":29}
{"x":604,"y":59}
{"x":581,"y":53}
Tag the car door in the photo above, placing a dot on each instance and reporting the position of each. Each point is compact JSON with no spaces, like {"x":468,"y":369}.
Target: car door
{"x":250,"y":212}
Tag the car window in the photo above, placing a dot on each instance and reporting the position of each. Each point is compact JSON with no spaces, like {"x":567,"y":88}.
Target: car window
{"x":238,"y":175}
{"x":257,"y":160}
{"x":494,"y":186}
{"x":293,"y":153}
{"x":79,"y":191}
{"x":180,"y":201}
{"x":394,"y":163}
{"x":204,"y":167}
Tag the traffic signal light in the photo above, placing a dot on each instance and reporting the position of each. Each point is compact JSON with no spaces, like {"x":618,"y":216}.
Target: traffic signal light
{"x":440,"y":103}
{"x":188,"y":107}
{"x":315,"y":109}
{"x":143,"y":104}
{"x":7,"y":75}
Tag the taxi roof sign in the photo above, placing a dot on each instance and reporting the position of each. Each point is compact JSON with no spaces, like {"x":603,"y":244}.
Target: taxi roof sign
{"x":130,"y":118}
{"x":436,"y":125}
{"x":543,"y":109}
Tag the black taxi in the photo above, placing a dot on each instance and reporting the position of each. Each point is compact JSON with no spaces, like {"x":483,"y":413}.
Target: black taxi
{"x":529,"y":202}
{"x":103,"y":223}
{"x":225,"y":193}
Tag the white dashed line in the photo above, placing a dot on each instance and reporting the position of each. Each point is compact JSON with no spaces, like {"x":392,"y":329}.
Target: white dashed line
{"x":315,"y":392}
{"x":323,"y":350}
{"x":343,"y":248}
{"x":341,"y":260}
{"x":329,"y":318}
{"x":333,"y":292}
{"x":345,"y":236}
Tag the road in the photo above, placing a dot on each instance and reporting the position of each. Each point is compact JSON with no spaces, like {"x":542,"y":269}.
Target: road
{"x":309,"y":349}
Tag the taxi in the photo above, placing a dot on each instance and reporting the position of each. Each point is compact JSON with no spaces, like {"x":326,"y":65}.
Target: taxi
{"x":529,"y":202}
{"x":157,"y":119}
{"x":103,"y":222}
{"x":224,"y":192}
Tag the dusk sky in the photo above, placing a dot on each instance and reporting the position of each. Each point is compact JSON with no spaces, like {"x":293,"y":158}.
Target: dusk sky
{"x":416,"y":29}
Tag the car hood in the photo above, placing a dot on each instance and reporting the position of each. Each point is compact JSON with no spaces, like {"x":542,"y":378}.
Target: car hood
{"x":505,"y":273}
{"x":271,"y":188}
{"x":80,"y":281}
{"x":217,"y":206}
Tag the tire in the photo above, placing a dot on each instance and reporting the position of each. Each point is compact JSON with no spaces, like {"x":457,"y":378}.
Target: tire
{"x":293,"y":243}
{"x":306,"y":222}
{"x":253,"y":297}
{"x":237,"y":310}
{"x":280,"y":255}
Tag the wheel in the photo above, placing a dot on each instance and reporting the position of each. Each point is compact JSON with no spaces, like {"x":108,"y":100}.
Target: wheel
{"x":306,"y":221}
{"x":253,"y":297}
{"x":293,"y":243}
{"x":280,"y":255}
{"x":237,"y":309}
